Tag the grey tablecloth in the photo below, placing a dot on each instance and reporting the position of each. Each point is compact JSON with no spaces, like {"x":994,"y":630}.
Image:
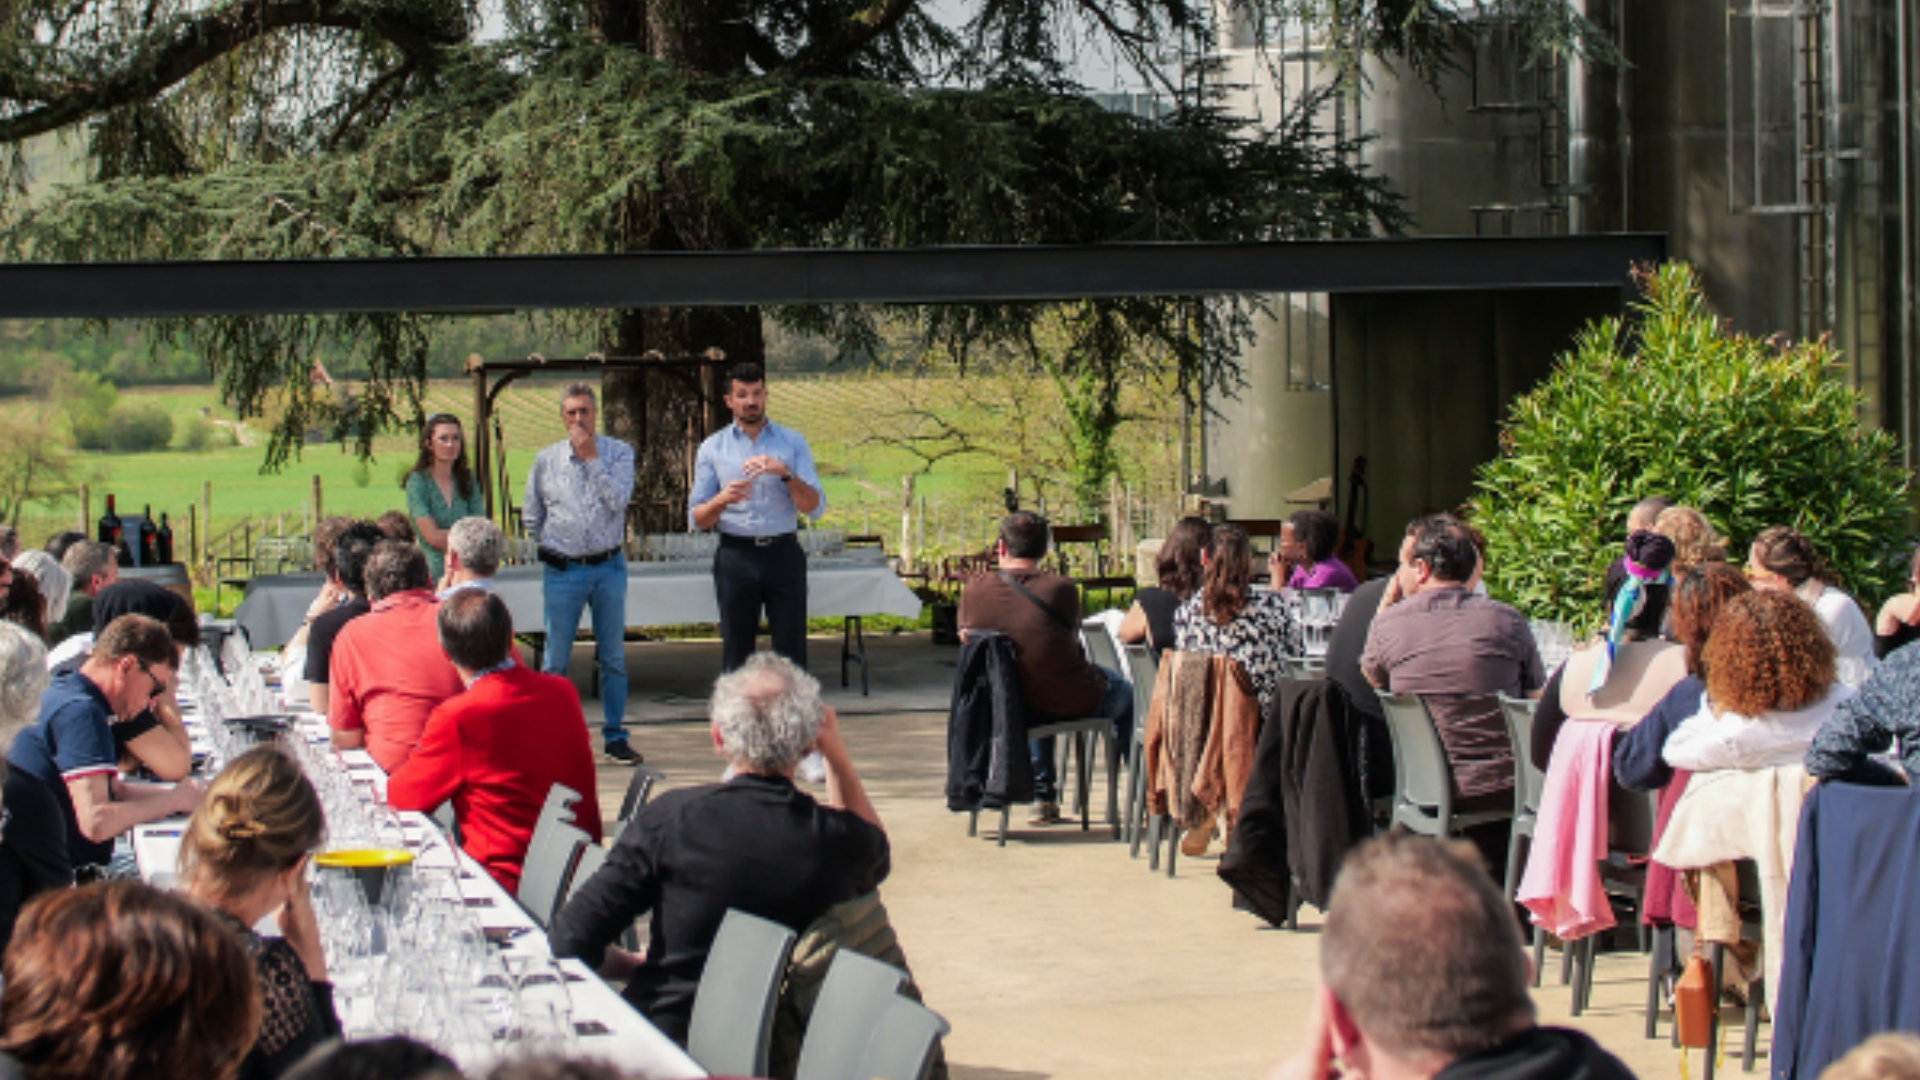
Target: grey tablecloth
{"x":658,"y":594}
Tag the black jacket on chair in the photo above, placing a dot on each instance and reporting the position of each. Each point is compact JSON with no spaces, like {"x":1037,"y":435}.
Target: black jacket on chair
{"x":987,"y":762}
{"x":1304,"y":808}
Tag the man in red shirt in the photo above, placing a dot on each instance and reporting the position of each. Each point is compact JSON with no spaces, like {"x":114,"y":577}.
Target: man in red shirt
{"x":388,"y":672}
{"x":498,"y":748}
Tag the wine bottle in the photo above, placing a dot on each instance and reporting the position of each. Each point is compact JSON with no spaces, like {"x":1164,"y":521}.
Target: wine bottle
{"x":108,"y":528}
{"x":163,"y":541}
{"x":149,"y":536}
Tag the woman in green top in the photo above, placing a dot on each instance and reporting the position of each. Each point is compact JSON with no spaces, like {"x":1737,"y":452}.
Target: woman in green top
{"x":440,"y":489}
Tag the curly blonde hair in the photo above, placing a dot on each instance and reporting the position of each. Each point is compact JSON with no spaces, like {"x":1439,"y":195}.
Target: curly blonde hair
{"x":1694,"y":539}
{"x":1767,"y":653}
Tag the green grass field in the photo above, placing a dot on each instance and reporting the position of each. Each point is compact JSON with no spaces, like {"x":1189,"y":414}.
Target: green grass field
{"x":854,"y":424}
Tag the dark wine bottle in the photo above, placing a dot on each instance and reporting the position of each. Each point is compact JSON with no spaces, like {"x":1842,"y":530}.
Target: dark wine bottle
{"x":163,"y":540}
{"x":108,"y":528}
{"x":149,"y":535}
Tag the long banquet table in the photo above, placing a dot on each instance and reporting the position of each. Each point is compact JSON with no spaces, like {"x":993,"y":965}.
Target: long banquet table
{"x":606,"y":1026}
{"x":847,"y":585}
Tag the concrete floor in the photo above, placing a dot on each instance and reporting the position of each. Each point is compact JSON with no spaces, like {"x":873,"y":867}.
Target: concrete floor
{"x":1058,"y":956}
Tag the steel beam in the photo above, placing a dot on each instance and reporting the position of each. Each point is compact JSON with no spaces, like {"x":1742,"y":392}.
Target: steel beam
{"x":473,"y":285}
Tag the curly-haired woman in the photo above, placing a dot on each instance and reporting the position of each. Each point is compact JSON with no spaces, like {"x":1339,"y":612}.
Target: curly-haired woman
{"x":1770,"y":687}
{"x":1698,"y":597}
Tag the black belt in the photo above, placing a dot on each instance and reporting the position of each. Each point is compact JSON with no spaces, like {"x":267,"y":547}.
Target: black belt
{"x":562,"y":562}
{"x":730,"y":540}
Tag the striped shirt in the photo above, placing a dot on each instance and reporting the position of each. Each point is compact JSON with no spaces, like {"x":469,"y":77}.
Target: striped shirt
{"x":579,"y":508}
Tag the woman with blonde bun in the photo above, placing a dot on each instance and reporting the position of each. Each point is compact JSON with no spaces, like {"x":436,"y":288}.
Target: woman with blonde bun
{"x":245,"y":857}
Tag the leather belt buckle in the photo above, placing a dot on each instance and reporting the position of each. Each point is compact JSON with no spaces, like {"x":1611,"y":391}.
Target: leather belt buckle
{"x":765,"y":541}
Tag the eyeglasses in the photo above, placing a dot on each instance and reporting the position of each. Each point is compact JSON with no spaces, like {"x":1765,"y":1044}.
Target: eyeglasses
{"x":158,"y":686}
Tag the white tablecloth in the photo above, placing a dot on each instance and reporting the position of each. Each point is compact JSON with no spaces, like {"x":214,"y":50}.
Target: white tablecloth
{"x":658,"y":594}
{"x":630,"y":1041}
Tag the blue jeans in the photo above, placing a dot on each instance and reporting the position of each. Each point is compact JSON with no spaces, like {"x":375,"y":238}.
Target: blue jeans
{"x":1117,"y":706}
{"x":602,"y":589}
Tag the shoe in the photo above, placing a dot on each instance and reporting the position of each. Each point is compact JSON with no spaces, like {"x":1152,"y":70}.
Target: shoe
{"x":1194,"y":844}
{"x":1046,"y":813}
{"x":619,"y":753}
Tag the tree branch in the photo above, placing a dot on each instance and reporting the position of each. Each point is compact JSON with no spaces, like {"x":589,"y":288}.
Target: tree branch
{"x":825,"y":56}
{"x":178,"y":51}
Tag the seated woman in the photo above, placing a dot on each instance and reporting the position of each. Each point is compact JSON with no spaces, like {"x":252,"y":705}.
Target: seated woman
{"x":1697,"y":599}
{"x":245,"y":858}
{"x":1770,"y":687}
{"x":1695,"y":542}
{"x":1226,"y":617}
{"x":119,"y":981}
{"x":1898,"y":623}
{"x":23,"y":604}
{"x":1316,"y":535}
{"x":1782,"y":560}
{"x":33,"y":845}
{"x":1178,"y":566}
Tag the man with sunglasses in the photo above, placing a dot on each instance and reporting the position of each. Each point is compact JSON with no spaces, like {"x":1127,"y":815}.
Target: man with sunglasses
{"x":71,"y":748}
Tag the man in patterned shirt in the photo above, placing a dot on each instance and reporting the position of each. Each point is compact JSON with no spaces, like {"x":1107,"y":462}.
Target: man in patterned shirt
{"x":576,"y":510}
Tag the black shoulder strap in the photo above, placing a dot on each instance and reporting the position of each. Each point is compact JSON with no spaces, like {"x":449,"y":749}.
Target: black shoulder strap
{"x":1020,"y":588}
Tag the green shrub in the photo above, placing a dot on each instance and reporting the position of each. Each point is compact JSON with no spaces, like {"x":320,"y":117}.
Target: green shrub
{"x":200,"y":433}
{"x":139,"y":428}
{"x":1750,"y":433}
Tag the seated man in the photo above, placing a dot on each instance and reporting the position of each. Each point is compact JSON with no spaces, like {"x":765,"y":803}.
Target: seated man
{"x":388,"y":672}
{"x":342,"y":599}
{"x":497,"y":749}
{"x":755,"y":843}
{"x":155,"y":738}
{"x":1041,"y":613}
{"x":70,"y":748}
{"x":473,"y":555}
{"x":93,"y":566}
{"x":1435,"y":638}
{"x":1412,"y":925}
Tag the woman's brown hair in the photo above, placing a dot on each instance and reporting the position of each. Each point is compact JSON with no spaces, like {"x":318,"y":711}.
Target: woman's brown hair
{"x":1697,"y":599}
{"x":25,"y":604}
{"x":1179,"y":565}
{"x":1229,"y":574}
{"x":1767,"y":652}
{"x":462,"y":473}
{"x":258,"y":818}
{"x":1695,"y":543}
{"x":119,"y":981}
{"x":1784,"y":551}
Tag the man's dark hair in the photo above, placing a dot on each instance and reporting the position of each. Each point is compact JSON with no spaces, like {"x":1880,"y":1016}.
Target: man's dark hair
{"x":745,"y":372}
{"x":1025,"y":533}
{"x":475,"y":629}
{"x":1421,"y":949}
{"x":393,"y":1058}
{"x":59,"y":542}
{"x":1446,"y":547}
{"x":1650,"y":507}
{"x":135,"y":597}
{"x":351,"y":552}
{"x":394,"y":568}
{"x":1317,"y":531}
{"x":555,"y":1068}
{"x":395,"y":525}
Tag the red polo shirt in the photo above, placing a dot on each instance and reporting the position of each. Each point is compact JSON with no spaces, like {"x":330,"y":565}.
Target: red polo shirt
{"x":495,"y":751}
{"x":388,"y":673}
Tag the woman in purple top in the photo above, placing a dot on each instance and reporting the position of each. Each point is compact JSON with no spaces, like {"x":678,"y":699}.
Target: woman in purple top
{"x":1309,"y":551}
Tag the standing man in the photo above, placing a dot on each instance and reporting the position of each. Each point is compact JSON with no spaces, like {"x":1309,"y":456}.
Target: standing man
{"x":752,"y":480}
{"x":576,"y":510}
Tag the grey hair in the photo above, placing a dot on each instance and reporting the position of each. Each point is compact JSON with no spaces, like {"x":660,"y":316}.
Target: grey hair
{"x":768,"y":713}
{"x":85,"y":560}
{"x":23,"y":678}
{"x":478,"y":542}
{"x":578,"y":389}
{"x":55,"y":583}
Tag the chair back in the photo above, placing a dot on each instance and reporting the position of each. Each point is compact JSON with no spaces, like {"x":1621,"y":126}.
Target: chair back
{"x":854,"y":996}
{"x":732,"y":1026}
{"x":1630,"y":817}
{"x":592,"y":858}
{"x":1143,"y":667}
{"x":559,"y":805}
{"x":904,"y":1039}
{"x":1422,"y":775}
{"x":639,"y":790}
{"x":1528,"y":781}
{"x":1307,"y":668}
{"x":1100,"y":647}
{"x":548,"y":868}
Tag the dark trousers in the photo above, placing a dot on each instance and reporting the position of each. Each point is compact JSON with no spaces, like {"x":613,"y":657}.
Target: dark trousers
{"x":748,"y":578}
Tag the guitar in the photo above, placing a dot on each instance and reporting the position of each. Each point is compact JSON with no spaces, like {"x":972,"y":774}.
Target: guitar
{"x":1354,"y":547}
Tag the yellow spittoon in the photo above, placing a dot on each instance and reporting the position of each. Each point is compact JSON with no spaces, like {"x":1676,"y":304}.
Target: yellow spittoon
{"x":372,"y":867}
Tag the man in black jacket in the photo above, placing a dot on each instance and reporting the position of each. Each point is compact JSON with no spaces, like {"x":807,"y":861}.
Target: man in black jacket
{"x":1423,"y":974}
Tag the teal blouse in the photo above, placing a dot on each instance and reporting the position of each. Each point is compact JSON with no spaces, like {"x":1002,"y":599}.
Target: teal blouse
{"x":424,"y":501}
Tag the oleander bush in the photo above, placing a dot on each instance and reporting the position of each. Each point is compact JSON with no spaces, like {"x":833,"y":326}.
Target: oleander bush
{"x":1753,"y":433}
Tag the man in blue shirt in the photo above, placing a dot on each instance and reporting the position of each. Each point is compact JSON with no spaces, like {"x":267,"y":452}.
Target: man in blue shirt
{"x":576,"y":510}
{"x":751,"y":481}
{"x":70,"y":749}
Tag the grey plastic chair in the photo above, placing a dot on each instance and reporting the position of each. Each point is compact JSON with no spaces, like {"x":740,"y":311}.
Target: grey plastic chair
{"x":1143,"y":669}
{"x":1092,"y":727}
{"x":1305,"y":668}
{"x":559,"y":805}
{"x":1423,"y":802}
{"x":853,"y":998}
{"x":592,"y":858}
{"x":639,"y":790}
{"x":548,"y":868}
{"x":732,"y":1027}
{"x":904,"y":1039}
